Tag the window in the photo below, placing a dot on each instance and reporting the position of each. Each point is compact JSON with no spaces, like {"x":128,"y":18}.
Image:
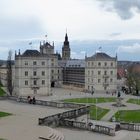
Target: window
{"x":35,"y":82}
{"x":26,"y":63}
{"x":92,"y":63}
{"x":43,"y":63}
{"x":111,"y":80}
{"x":105,"y":80}
{"x":99,"y":80}
{"x":92,"y":72}
{"x":105,"y":72}
{"x":111,"y":72}
{"x":88,"y":72}
{"x":43,"y":73}
{"x":88,"y":87}
{"x":105,"y":64}
{"x":58,"y":71}
{"x":34,"y":62}
{"x":26,"y":83}
{"x":88,"y":80}
{"x":52,"y":71}
{"x":26,"y":73}
{"x":99,"y":72}
{"x":99,"y":63}
{"x":52,"y":77}
{"x":52,"y":60}
{"x":58,"y":77}
{"x":43,"y":82}
{"x":52,"y":64}
{"x":111,"y":63}
{"x":88,"y":64}
{"x":34,"y":73}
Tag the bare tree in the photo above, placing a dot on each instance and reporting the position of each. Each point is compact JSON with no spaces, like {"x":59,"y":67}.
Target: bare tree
{"x":133,"y":80}
{"x":9,"y":73}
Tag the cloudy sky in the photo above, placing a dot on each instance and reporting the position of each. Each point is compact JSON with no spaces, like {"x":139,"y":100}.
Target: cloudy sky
{"x":112,"y":24}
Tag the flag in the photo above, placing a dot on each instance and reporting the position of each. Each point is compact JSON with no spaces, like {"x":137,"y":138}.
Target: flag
{"x":30,"y":43}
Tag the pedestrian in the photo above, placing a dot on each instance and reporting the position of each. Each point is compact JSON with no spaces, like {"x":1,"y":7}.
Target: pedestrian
{"x":34,"y":100}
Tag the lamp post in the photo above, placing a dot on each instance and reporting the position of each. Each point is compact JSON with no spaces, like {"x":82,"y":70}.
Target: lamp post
{"x":96,"y":109}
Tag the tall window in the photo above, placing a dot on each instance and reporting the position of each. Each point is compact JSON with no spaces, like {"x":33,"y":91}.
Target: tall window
{"x":99,"y":72}
{"x":43,"y":82}
{"x":99,"y":80}
{"x":43,"y":73}
{"x":26,"y":73}
{"x":105,"y":64}
{"x":52,"y":71}
{"x":34,"y":63}
{"x":26,"y":83}
{"x":26,"y":63}
{"x":88,"y":72}
{"x":111,"y":80}
{"x":111,"y":63}
{"x":105,"y":72}
{"x":43,"y":63}
{"x":111,"y":72}
{"x":99,"y":63}
{"x":34,"y":73}
{"x":35,"y":82}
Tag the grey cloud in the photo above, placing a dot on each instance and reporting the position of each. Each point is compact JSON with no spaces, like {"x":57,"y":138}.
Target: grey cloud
{"x":124,"y":8}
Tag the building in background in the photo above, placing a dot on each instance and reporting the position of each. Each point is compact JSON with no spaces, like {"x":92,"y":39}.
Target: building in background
{"x":101,"y":73}
{"x":32,"y":73}
{"x":36,"y":72}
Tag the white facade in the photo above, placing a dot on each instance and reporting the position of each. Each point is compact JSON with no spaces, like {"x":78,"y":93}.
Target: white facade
{"x":101,"y":73}
{"x":32,"y":74}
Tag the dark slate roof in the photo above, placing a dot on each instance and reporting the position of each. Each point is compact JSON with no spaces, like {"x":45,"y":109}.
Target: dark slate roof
{"x":100,"y":56}
{"x":31,"y":53}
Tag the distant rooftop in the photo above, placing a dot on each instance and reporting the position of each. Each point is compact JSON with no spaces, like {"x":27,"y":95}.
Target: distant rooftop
{"x":29,"y":53}
{"x":100,"y":56}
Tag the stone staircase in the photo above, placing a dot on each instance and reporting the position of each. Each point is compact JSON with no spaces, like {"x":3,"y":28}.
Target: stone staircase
{"x":54,"y":135}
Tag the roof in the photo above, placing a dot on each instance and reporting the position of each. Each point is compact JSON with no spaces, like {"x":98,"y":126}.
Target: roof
{"x":75,"y":63}
{"x":31,"y":53}
{"x":100,"y":56}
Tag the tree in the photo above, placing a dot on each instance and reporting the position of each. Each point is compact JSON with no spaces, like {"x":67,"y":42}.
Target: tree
{"x":133,"y":79}
{"x":9,"y":73}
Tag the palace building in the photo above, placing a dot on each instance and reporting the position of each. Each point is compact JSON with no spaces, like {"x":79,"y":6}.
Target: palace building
{"x":36,"y":72}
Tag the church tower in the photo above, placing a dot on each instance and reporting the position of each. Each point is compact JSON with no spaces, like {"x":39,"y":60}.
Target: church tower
{"x":66,"y":49}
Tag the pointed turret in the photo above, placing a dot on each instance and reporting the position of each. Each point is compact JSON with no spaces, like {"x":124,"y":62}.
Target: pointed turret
{"x":66,"y":49}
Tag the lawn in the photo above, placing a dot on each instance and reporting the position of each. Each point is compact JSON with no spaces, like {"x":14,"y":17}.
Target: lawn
{"x":134,"y":101}
{"x":2,"y":93}
{"x":128,"y":116}
{"x":100,"y":112}
{"x":4,"y":114}
{"x":91,"y":100}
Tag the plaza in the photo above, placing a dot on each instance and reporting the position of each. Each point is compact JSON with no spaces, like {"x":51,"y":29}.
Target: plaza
{"x":23,"y":123}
